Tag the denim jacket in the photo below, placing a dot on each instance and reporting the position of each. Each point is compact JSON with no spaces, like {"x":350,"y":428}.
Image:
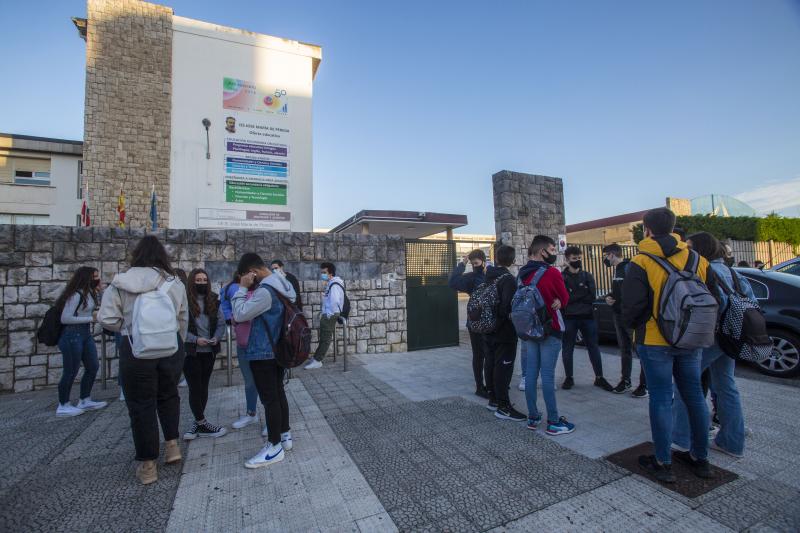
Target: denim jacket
{"x":258,"y":344}
{"x":724,"y":275}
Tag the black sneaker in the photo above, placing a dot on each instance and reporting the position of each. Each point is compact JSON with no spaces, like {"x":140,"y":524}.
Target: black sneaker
{"x":568,"y":384}
{"x":481,"y":392}
{"x":509,"y":413}
{"x":603,"y":384}
{"x":661,"y":472}
{"x":640,"y":392}
{"x":206,"y":429}
{"x":700,"y":468}
{"x":715,"y":419}
{"x":622,"y":387}
{"x":492,"y":405}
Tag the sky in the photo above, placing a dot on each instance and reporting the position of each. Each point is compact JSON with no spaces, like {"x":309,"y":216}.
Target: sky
{"x":418,"y":103}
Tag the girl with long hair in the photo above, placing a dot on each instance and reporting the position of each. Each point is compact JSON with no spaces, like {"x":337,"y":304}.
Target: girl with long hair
{"x":150,"y":385}
{"x":78,"y":304}
{"x":206,"y":330}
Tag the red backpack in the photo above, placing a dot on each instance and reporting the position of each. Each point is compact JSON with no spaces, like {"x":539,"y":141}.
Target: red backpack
{"x":294,"y":345}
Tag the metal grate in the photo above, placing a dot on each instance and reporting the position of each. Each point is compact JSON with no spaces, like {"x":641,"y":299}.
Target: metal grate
{"x":593,"y":263}
{"x":426,"y":259}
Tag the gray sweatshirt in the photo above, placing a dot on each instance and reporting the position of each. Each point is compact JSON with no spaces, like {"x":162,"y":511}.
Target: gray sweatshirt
{"x":261,"y":301}
{"x":71,"y":314}
{"x":203,"y":323}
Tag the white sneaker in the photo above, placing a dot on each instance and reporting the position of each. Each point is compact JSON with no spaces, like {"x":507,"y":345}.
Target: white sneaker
{"x":715,"y":446}
{"x":244,"y":421}
{"x":182,"y":383}
{"x":269,"y":454}
{"x":68,"y":409}
{"x":87,"y":404}
{"x":286,"y":441}
{"x":121,"y":396}
{"x":712,"y":432}
{"x":521,"y":383}
{"x":313,"y":364}
{"x":265,"y":432}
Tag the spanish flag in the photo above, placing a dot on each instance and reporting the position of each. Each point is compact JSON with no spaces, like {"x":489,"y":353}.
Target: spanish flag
{"x":121,"y":209}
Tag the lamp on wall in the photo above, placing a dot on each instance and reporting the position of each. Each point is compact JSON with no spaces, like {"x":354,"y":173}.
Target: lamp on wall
{"x":206,"y":125}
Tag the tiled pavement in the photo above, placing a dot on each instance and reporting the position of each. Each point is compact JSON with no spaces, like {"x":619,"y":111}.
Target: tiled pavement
{"x":391,"y":444}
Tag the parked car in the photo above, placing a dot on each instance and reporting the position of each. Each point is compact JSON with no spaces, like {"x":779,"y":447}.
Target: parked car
{"x":778,"y":293}
{"x":792,"y":266}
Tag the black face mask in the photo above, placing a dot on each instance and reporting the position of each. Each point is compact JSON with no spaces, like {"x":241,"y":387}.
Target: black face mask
{"x":607,"y":262}
{"x":478,"y":270}
{"x":576,"y":264}
{"x":202,"y":289}
{"x":550,"y":259}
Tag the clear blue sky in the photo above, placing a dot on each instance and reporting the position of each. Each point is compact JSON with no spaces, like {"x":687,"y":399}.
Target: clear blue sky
{"x":417,"y":103}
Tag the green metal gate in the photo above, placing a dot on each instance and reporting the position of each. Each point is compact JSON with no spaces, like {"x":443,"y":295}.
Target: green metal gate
{"x":432,"y":306}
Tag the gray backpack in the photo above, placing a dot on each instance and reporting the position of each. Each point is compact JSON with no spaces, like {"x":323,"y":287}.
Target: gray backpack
{"x":687,"y":311}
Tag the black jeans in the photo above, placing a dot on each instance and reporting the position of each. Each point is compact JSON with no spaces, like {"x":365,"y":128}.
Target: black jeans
{"x":478,"y":357}
{"x":197,"y":371}
{"x":268,"y":377}
{"x":588,"y":328}
{"x":625,"y":342}
{"x":502,"y":356}
{"x":151,"y":394}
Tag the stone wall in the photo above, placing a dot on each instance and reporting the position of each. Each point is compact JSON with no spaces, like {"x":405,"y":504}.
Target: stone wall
{"x":37,"y":261}
{"x":127,"y":108}
{"x":526,"y":205}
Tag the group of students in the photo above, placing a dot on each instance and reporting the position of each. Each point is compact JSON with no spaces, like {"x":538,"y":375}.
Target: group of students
{"x":149,"y":380}
{"x":679,"y":429}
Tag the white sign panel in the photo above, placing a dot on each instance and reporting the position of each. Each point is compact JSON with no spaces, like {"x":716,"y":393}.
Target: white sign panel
{"x":243,"y":219}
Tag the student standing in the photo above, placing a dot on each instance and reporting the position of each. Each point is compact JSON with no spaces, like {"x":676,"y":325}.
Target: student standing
{"x":612,"y":258}
{"x":543,"y":354}
{"x":641,"y":294}
{"x":265,"y":312}
{"x":579,"y":316}
{"x":206,"y":330}
{"x":332,"y":306}
{"x":467,"y":283}
{"x":150,"y":385}
{"x":277,"y":268}
{"x":78,"y":304}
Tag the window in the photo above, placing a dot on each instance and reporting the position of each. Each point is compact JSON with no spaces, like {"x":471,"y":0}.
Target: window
{"x":21,"y":220}
{"x":759,"y":289}
{"x":80,"y":180}
{"x":791,"y":268}
{"x":28,"y":177}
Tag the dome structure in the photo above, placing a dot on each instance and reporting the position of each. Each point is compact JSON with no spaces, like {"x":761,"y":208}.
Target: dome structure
{"x":721,"y":205}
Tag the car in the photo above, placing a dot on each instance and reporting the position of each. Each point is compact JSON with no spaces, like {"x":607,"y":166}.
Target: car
{"x":778,"y":294}
{"x":792,"y":266}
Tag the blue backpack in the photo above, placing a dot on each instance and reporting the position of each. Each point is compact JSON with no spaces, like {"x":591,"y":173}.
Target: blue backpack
{"x":529,"y":314}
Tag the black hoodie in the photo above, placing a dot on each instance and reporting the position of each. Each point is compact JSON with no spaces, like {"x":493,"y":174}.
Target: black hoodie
{"x":506,"y":287}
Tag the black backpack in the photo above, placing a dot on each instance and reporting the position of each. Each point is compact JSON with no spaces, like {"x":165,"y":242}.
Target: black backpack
{"x":742,"y":329}
{"x":294,"y":345}
{"x":50,"y":329}
{"x":345,"y":313}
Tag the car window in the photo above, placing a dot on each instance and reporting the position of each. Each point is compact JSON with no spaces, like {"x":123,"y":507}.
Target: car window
{"x":759,"y":289}
{"x":793,"y":268}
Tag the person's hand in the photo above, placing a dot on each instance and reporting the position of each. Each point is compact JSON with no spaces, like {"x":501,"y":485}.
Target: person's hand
{"x":610,"y":300}
{"x":248,"y":280}
{"x":556,"y":304}
{"x":213,"y":341}
{"x":202,"y":342}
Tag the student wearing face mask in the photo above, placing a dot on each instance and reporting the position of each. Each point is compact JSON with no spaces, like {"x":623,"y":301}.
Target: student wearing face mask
{"x":277,"y":268}
{"x":467,"y":283}
{"x":579,"y":316}
{"x":332,"y":306}
{"x":206,"y":329}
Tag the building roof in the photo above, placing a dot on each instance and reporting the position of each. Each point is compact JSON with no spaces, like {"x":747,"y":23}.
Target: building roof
{"x":29,"y":143}
{"x":608,"y":221}
{"x":409,"y":224}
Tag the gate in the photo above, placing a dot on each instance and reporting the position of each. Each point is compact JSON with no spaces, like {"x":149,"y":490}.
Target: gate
{"x":431,"y":306}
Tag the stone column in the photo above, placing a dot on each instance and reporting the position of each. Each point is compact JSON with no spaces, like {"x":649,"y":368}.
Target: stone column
{"x":128,"y":108}
{"x":526,"y":205}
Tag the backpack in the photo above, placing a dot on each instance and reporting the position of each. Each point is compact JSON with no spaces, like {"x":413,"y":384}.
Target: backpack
{"x":50,"y":329}
{"x":529,"y":314}
{"x":482,"y":307}
{"x":345,"y":312}
{"x":154,"y":329}
{"x":294,"y":345}
{"x":687,"y":311}
{"x":742,"y":329}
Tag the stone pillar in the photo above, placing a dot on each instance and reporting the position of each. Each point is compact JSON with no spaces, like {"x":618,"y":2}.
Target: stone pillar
{"x":526,"y":205}
{"x":128,"y":108}
{"x":682,"y":207}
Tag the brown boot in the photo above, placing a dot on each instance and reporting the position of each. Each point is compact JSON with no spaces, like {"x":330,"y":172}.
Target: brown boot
{"x":147,"y":472}
{"x":172,"y":452}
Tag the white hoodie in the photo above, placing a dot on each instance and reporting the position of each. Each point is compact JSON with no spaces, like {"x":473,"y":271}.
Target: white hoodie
{"x":116,"y":309}
{"x":282,"y":285}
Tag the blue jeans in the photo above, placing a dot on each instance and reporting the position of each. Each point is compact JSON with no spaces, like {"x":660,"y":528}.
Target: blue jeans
{"x":729,"y":405}
{"x":77,"y":346}
{"x":660,"y":364}
{"x":542,"y":358}
{"x":250,"y":392}
{"x":523,"y":358}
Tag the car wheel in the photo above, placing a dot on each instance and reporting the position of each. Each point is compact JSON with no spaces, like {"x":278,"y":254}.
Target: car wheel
{"x":784,"y":361}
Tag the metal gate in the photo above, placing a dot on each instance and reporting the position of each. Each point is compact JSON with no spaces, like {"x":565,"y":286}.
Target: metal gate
{"x":431,"y":305}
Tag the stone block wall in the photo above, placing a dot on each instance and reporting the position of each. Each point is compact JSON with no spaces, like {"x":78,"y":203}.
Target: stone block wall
{"x":127,"y":108}
{"x":37,"y":261}
{"x":526,"y":205}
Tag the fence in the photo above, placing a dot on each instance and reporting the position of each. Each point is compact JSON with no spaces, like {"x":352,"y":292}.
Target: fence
{"x":593,"y":263}
{"x":769,"y":252}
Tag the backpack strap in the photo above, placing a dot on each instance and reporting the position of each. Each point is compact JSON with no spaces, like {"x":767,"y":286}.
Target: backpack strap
{"x":663,"y":263}
{"x":536,"y":277}
{"x":737,"y":284}
{"x":693,"y":262}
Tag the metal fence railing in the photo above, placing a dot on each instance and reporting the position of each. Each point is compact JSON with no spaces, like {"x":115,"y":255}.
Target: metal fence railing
{"x":593,"y":263}
{"x":769,"y":252}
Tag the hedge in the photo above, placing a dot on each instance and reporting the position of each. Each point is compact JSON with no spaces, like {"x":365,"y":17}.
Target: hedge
{"x":770,"y":228}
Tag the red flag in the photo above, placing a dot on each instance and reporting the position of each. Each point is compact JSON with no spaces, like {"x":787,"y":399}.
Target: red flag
{"x":86,"y":219}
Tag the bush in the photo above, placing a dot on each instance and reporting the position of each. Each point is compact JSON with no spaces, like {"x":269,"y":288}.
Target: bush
{"x":773,"y":227}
